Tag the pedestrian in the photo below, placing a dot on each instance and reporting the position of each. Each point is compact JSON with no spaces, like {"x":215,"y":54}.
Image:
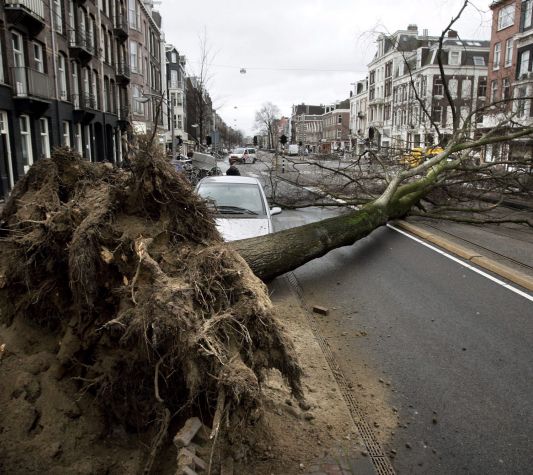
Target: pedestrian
{"x":233,"y":170}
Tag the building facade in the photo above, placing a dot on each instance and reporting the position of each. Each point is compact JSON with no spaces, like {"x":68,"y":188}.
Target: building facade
{"x":406,"y":105}
{"x":335,"y":128}
{"x":177,"y":120}
{"x":306,"y":125}
{"x":510,"y":76}
{"x":66,"y":79}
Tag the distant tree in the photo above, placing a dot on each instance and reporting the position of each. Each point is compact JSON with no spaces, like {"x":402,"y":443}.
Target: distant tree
{"x":265,"y":121}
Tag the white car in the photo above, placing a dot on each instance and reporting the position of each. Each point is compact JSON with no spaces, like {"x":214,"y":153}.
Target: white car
{"x":242,"y":155}
{"x":241,"y":206}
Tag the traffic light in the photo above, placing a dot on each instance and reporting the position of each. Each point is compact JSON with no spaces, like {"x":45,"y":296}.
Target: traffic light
{"x":283,"y":139}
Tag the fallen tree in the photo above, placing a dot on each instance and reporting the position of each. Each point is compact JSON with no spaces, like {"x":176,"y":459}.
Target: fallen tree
{"x":147,"y":310}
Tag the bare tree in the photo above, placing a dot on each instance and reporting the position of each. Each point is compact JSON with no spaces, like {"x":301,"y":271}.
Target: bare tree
{"x":265,"y":121}
{"x":199,"y":104}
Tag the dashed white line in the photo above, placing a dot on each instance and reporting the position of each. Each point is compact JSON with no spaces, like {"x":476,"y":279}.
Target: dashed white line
{"x":464,"y":264}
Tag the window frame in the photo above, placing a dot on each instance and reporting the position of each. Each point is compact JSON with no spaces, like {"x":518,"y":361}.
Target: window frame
{"x":44,"y":134}
{"x":502,"y":15}
{"x":496,"y":56}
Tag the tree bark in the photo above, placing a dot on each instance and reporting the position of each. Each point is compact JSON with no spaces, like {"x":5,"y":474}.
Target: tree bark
{"x":275,"y":254}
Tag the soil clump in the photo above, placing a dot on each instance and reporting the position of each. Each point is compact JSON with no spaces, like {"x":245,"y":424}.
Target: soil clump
{"x":123,"y":314}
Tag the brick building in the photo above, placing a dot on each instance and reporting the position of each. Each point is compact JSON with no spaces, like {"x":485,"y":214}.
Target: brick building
{"x":67,"y":69}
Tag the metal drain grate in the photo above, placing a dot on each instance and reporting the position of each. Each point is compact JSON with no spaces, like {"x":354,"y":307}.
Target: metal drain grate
{"x":380,"y":461}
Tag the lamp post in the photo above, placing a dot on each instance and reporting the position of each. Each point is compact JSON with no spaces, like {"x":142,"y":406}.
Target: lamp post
{"x":146,"y":97}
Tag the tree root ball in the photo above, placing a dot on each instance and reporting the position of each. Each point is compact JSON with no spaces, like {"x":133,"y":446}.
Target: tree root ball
{"x":152,"y":311}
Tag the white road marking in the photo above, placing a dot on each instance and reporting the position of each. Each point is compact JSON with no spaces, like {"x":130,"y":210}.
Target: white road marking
{"x":464,"y":264}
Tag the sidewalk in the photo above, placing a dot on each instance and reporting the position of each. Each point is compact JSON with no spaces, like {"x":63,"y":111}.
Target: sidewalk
{"x":505,"y":250}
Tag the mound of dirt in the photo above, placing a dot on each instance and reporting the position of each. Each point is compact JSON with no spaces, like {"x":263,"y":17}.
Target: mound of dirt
{"x":122,"y":315}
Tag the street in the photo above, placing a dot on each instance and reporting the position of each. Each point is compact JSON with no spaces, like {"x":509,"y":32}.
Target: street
{"x":439,"y":356}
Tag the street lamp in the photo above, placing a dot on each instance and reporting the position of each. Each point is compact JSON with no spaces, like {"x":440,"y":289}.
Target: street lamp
{"x":146,"y":98}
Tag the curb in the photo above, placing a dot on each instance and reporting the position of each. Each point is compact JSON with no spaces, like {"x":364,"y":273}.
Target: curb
{"x":468,"y":254}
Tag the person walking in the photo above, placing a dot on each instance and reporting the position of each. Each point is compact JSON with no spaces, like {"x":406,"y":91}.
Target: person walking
{"x":233,"y":170}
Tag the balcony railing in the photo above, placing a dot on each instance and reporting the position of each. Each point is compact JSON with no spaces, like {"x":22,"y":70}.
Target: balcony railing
{"x":123,"y":113}
{"x":120,"y":24}
{"x":82,"y":40}
{"x":36,"y":7}
{"x":30,"y":83}
{"x":84,"y":101}
{"x":123,"y":69}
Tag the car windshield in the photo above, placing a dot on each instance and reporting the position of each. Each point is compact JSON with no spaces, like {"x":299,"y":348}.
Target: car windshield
{"x":238,"y":150}
{"x":251,"y":150}
{"x":234,"y":198}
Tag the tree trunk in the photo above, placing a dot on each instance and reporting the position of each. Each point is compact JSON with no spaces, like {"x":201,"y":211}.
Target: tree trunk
{"x":275,"y":254}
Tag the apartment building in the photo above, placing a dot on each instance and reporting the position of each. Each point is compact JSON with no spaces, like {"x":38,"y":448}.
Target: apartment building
{"x":176,"y":94}
{"x":306,"y":125}
{"x":335,"y":128}
{"x":358,"y":116}
{"x":66,"y":73}
{"x":404,"y":96}
{"x":510,"y":75}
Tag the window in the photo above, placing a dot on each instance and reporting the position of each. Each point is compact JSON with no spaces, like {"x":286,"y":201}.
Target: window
{"x":65,"y":129}
{"x":496,"y":57}
{"x":339,"y":119}
{"x":479,"y":61}
{"x":482,"y":87}
{"x":96,"y":90}
{"x":527,"y":8}
{"x":506,"y":89}
{"x":180,"y":121}
{"x":138,"y":106}
{"x":180,"y":99}
{"x":62,"y":76}
{"x":524,"y":63}
{"x":173,"y":79}
{"x":38,"y":57}
{"x":45,"y":137}
{"x":452,"y":86}
{"x":25,"y":142}
{"x":438,"y":89}
{"x":79,"y":139}
{"x":174,"y":58}
{"x":508,"y":52}
{"x":2,"y":77}
{"x":454,"y":58}
{"x":506,"y":17}
{"x":436,"y":114}
{"x":87,"y":142}
{"x":493,"y":90}
{"x":133,"y":56}
{"x":466,"y":88}
{"x":75,"y":84}
{"x":521,"y":92}
{"x":18,"y":52}
{"x":58,"y":16}
{"x":132,"y":14}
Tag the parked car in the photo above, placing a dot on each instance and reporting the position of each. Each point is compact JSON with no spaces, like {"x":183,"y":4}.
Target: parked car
{"x":240,"y":205}
{"x":242,"y":155}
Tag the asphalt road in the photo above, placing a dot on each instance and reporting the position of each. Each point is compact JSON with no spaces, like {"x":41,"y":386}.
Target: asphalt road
{"x":446,"y":351}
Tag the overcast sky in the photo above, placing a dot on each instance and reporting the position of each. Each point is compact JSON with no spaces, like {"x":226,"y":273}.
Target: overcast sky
{"x":297,"y":51}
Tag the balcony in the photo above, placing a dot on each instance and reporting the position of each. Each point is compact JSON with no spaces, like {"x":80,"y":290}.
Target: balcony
{"x":81,"y":45}
{"x":29,"y":13}
{"x":84,"y":101}
{"x":31,"y":84}
{"x":120,"y":27}
{"x":123,"y":115}
{"x":123,"y":73}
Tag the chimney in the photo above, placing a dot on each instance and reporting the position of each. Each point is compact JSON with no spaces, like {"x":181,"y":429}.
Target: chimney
{"x":452,"y":34}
